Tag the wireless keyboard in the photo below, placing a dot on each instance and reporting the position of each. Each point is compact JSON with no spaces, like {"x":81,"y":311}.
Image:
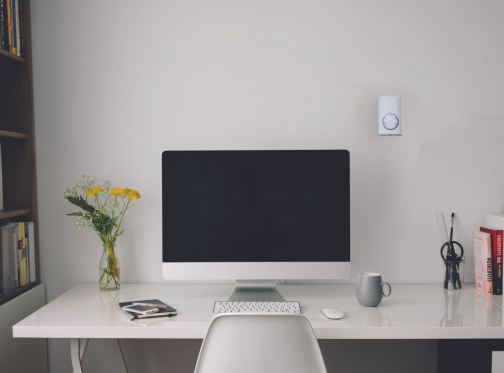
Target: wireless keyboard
{"x":256,"y":307}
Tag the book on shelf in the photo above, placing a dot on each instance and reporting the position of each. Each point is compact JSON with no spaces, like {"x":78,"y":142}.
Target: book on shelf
{"x":19,"y":239}
{"x":24,"y":270}
{"x":496,"y":243}
{"x":13,"y":26}
{"x":9,"y":25}
{"x":482,"y":262}
{"x":5,"y":45}
{"x":15,"y":253}
{"x":8,"y":260}
{"x":2,"y":22}
{"x":12,"y":19}
{"x":1,"y":180}
{"x":18,"y":41}
{"x":21,"y":28}
{"x":31,"y":250}
{"x":17,"y":259}
{"x":497,"y":222}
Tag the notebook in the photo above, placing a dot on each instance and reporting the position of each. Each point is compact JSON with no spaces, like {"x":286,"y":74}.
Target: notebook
{"x":163,"y":312}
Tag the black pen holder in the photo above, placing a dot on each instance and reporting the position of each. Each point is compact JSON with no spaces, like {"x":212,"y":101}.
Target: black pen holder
{"x":453,"y":274}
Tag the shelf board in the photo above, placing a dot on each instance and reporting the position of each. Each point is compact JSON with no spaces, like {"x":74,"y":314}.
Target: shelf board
{"x":11,"y":56}
{"x":14,"y":135}
{"x":18,"y":291}
{"x":4,"y":214}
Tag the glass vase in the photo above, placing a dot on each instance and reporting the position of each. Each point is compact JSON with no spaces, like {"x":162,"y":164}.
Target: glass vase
{"x":110,"y":276}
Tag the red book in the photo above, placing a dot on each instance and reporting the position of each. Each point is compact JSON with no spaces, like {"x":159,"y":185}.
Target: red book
{"x":497,"y":235}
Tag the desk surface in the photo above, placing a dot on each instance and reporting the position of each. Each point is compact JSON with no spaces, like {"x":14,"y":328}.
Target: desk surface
{"x":411,"y":312}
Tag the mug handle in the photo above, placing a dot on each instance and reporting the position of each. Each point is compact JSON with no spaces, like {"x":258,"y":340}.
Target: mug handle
{"x":389,"y":288}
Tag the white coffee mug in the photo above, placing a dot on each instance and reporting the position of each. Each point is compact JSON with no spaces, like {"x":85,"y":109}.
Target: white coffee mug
{"x":370,"y":289}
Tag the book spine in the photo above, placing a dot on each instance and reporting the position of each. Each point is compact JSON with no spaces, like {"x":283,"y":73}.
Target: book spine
{"x":5,"y":261}
{"x":15,"y":253}
{"x":23,"y":255}
{"x":28,"y":257}
{"x":1,"y":181}
{"x":20,"y":261}
{"x":21,"y":27}
{"x":6,"y":255}
{"x":497,"y":262}
{"x":20,"y":255}
{"x":9,"y":26}
{"x":18,"y":39}
{"x":12,"y":262}
{"x":5,"y":26}
{"x":496,"y":242}
{"x":31,"y":246}
{"x":25,"y":264}
{"x":2,"y":21}
{"x":2,"y":263}
{"x":482,"y":262}
{"x":14,"y":26}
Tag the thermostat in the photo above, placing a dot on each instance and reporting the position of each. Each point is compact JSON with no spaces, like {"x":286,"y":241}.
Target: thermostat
{"x":389,"y":116}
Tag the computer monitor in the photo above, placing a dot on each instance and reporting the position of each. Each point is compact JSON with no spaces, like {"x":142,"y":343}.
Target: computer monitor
{"x":256,"y":215}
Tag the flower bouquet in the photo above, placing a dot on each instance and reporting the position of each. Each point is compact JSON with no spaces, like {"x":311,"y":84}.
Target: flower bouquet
{"x":103,"y":208}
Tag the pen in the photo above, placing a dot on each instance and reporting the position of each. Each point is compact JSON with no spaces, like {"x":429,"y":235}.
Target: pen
{"x":149,"y":305}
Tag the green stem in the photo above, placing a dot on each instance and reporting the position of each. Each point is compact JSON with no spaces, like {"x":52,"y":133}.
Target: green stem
{"x":122,"y":217}
{"x":110,"y":265}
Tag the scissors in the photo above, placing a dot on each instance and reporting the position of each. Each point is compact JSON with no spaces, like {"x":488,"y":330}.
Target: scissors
{"x":452,"y":268}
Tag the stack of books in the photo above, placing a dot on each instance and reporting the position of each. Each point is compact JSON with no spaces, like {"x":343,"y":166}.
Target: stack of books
{"x":487,"y":246}
{"x":17,"y":262}
{"x":12,"y":26}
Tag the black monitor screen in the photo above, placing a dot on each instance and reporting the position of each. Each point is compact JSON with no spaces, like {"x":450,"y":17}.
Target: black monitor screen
{"x":256,"y":206}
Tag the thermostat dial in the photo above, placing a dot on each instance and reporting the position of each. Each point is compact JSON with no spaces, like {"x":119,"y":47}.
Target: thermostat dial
{"x":390,"y":121}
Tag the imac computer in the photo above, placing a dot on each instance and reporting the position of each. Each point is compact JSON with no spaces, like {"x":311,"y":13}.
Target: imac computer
{"x":255,"y":216}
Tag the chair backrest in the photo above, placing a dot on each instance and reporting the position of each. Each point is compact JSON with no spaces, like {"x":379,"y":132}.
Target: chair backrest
{"x":260,"y":344}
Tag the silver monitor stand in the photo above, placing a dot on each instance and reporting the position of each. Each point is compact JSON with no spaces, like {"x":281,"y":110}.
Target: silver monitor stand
{"x":256,"y":291}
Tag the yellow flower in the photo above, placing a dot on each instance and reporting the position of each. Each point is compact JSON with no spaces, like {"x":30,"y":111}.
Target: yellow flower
{"x":131,"y":194}
{"x":116,"y":191}
{"x":94,"y":191}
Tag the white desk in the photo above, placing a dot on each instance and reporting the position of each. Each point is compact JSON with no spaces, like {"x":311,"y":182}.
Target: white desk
{"x":412,"y":312}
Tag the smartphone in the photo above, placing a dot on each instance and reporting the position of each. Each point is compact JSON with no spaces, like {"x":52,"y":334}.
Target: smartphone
{"x":142,"y":310}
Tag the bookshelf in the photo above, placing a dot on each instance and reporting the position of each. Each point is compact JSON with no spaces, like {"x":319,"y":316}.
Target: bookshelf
{"x":5,"y":54}
{"x":18,"y":144}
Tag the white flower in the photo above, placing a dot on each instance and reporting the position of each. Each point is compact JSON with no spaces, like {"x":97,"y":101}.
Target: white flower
{"x":81,"y":222}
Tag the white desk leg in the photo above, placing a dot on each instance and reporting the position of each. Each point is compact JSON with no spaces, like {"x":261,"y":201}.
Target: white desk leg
{"x":77,"y":350}
{"x":119,"y":356}
{"x":497,"y":361}
{"x":77,"y":353}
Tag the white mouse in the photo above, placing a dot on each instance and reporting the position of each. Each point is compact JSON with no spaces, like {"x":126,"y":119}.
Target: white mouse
{"x":332,"y":313}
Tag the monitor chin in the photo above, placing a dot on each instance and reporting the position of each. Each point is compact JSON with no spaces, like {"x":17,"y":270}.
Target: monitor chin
{"x":256,"y":271}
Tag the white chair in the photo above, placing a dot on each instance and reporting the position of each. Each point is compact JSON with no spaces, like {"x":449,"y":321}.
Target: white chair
{"x":260,"y":344}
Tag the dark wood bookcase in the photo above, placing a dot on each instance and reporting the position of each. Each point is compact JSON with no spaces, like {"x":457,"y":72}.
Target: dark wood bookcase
{"x":17,"y":136}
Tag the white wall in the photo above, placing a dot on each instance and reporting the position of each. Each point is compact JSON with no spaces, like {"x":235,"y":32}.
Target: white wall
{"x":117,"y":82}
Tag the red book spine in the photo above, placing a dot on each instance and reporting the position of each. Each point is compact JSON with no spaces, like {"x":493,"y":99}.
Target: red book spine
{"x":497,"y":236}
